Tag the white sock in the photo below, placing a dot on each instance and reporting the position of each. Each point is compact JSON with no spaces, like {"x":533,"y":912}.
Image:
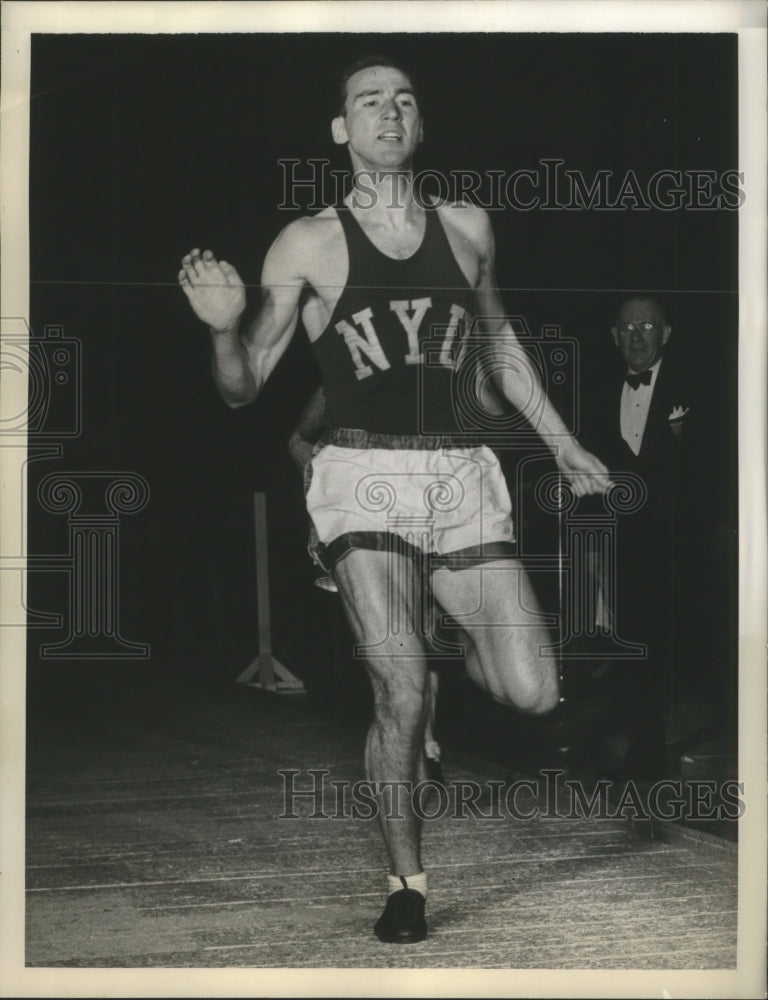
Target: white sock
{"x":432,"y":749}
{"x":417,"y":882}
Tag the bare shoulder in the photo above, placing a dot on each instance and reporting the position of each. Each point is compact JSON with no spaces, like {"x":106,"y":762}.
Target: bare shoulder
{"x":468,"y":221}
{"x":306,"y":242}
{"x":311,"y":233}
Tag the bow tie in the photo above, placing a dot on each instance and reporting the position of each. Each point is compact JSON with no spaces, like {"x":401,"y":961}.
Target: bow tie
{"x":641,"y":378}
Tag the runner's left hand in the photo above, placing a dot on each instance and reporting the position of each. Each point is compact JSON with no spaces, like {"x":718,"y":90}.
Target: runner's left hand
{"x":585,"y":473}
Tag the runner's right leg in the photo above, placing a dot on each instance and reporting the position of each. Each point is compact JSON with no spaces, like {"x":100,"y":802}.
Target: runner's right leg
{"x":374,"y":588}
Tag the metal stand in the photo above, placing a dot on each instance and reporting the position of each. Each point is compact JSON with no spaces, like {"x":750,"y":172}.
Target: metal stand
{"x":265,"y":671}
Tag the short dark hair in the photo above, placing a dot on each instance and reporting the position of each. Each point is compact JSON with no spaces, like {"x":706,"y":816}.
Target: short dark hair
{"x":366,"y":62}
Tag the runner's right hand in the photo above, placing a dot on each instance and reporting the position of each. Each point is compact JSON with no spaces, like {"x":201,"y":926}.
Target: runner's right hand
{"x":214,"y":288}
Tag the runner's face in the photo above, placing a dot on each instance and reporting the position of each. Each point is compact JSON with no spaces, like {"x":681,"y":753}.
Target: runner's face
{"x":382,"y":123}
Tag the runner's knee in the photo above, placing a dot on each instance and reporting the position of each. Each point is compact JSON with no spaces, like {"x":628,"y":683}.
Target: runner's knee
{"x":538,"y":698}
{"x":534,"y":690}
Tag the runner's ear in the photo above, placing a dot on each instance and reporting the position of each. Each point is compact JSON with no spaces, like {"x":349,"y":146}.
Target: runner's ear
{"x":339,"y":131}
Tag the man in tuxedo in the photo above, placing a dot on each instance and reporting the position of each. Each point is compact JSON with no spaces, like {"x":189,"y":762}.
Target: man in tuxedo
{"x":641,"y":422}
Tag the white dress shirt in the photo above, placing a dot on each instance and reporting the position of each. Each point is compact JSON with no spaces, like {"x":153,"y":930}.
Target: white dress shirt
{"x":635,"y":404}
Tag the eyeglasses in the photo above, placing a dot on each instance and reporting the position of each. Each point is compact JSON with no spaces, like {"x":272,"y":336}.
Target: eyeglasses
{"x":645,"y":327}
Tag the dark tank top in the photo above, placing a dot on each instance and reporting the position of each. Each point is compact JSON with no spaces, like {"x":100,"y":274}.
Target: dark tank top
{"x":388,"y":355}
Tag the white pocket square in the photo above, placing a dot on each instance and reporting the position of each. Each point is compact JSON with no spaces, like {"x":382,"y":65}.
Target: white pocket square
{"x":678,"y":412}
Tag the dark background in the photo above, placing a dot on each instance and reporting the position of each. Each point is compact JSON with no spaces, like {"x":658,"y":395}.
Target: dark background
{"x":143,"y":147}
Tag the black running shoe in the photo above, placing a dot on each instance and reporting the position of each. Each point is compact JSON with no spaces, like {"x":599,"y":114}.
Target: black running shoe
{"x":402,"y":921}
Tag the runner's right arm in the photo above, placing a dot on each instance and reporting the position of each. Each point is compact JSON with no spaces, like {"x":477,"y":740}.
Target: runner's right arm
{"x":243,"y":359}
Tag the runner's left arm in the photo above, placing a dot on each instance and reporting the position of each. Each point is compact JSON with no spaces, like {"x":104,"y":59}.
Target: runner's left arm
{"x":517,"y":379}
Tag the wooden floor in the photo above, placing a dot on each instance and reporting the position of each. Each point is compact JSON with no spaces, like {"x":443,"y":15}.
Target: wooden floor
{"x":154,"y":841}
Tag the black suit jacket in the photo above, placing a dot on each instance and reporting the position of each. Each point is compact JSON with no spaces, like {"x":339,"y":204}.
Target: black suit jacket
{"x":664,"y":459}
{"x":646,"y":539}
{"x":663,"y":573}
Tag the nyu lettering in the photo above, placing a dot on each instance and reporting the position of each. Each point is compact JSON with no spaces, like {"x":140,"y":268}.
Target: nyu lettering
{"x":411,"y":314}
{"x":369,"y":346}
